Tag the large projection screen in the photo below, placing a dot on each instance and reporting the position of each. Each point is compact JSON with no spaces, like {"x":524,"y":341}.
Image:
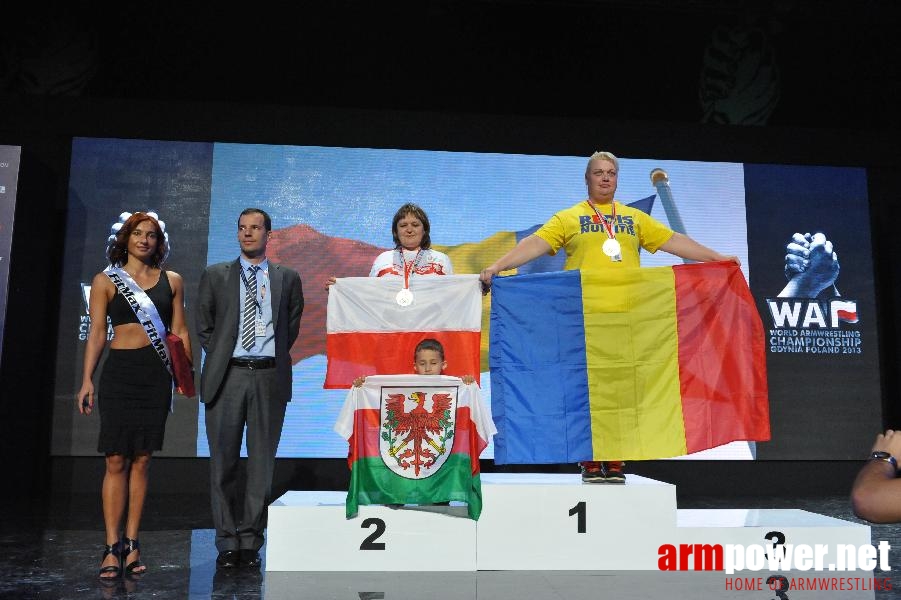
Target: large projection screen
{"x":332,"y":208}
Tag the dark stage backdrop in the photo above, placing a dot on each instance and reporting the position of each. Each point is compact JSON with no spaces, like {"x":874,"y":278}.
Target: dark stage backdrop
{"x":332,"y":209}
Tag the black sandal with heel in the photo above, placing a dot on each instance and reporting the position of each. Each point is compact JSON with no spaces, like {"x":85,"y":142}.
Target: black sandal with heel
{"x":128,"y":546}
{"x":114,"y":570}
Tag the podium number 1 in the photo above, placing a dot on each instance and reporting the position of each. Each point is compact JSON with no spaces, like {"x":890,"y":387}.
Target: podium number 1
{"x":579,"y":509}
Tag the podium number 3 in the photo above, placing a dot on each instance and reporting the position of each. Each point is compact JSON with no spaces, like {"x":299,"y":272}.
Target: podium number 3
{"x":370,"y":542}
{"x":579,"y":509}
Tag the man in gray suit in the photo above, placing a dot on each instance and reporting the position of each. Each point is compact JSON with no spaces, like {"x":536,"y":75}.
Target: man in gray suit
{"x":248,"y":317}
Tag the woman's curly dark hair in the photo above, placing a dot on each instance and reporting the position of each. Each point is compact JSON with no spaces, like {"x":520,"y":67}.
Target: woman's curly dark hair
{"x":117,"y":252}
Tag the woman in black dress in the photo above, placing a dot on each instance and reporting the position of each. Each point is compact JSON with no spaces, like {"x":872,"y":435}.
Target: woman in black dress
{"x":135,"y":388}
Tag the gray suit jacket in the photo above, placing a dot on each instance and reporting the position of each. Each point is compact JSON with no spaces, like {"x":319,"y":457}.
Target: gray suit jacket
{"x":217,"y":322}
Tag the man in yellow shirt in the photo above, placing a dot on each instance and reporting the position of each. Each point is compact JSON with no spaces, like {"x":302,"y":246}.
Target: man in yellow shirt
{"x":601,"y":233}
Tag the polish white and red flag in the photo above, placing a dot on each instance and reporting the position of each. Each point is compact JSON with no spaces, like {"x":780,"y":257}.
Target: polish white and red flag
{"x":846,"y":311}
{"x":370,"y":331}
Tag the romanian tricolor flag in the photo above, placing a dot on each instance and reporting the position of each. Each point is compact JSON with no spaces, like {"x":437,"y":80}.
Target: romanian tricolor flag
{"x":414,"y":439}
{"x":368,"y":332}
{"x":625,"y":364}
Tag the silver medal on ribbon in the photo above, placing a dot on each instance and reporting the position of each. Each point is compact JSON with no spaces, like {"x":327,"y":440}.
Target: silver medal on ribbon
{"x":404,"y":297}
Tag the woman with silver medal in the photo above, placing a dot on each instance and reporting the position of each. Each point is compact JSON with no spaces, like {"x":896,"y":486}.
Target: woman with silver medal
{"x":412,"y":255}
{"x":619,"y":232}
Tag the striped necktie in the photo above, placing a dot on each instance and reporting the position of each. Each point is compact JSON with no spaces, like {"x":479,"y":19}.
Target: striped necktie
{"x":248,"y":321}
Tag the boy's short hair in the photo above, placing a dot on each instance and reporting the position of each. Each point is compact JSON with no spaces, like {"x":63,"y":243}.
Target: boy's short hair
{"x":429,"y":344}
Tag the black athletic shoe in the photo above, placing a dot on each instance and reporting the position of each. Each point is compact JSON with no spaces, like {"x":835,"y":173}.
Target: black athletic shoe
{"x":613,"y":472}
{"x":592,"y":472}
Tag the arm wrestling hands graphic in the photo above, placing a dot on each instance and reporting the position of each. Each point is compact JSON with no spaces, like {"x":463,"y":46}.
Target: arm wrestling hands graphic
{"x":811,"y":267}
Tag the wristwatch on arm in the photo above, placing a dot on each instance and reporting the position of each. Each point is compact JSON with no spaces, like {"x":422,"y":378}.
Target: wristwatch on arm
{"x":885,"y":456}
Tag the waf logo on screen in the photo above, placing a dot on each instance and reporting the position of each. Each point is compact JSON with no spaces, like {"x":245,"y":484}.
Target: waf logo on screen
{"x":84,"y":320}
{"x":417,"y":432}
{"x":810,"y":315}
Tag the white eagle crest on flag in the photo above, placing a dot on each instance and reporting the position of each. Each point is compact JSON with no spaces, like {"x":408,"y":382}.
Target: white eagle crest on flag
{"x":417,"y":431}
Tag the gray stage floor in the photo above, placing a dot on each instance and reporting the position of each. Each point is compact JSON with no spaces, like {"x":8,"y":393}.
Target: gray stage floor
{"x":53,"y":552}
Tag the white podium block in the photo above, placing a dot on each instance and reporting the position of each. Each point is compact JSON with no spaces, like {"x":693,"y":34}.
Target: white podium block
{"x":307,"y":531}
{"x":555,"y":522}
{"x":551,"y":522}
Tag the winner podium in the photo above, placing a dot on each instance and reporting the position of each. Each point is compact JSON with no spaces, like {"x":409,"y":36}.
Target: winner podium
{"x":529,"y":521}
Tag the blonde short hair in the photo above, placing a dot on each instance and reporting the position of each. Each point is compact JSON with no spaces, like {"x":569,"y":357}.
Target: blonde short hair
{"x":601,"y":155}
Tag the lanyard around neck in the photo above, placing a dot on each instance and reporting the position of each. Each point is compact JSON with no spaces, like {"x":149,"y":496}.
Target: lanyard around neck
{"x":409,"y":268}
{"x":607,"y":224}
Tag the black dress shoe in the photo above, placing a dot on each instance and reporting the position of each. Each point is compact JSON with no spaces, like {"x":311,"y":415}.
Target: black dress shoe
{"x":250,"y":559}
{"x":228,"y":559}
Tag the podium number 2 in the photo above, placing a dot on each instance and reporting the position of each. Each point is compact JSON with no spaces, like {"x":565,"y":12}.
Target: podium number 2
{"x":579,"y":509}
{"x":370,"y":542}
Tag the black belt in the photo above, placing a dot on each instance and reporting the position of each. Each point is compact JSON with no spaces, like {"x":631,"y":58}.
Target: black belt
{"x":252,"y":363}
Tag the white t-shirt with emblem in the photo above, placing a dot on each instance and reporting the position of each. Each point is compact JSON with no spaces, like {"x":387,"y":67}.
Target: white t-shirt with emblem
{"x":427,"y":262}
